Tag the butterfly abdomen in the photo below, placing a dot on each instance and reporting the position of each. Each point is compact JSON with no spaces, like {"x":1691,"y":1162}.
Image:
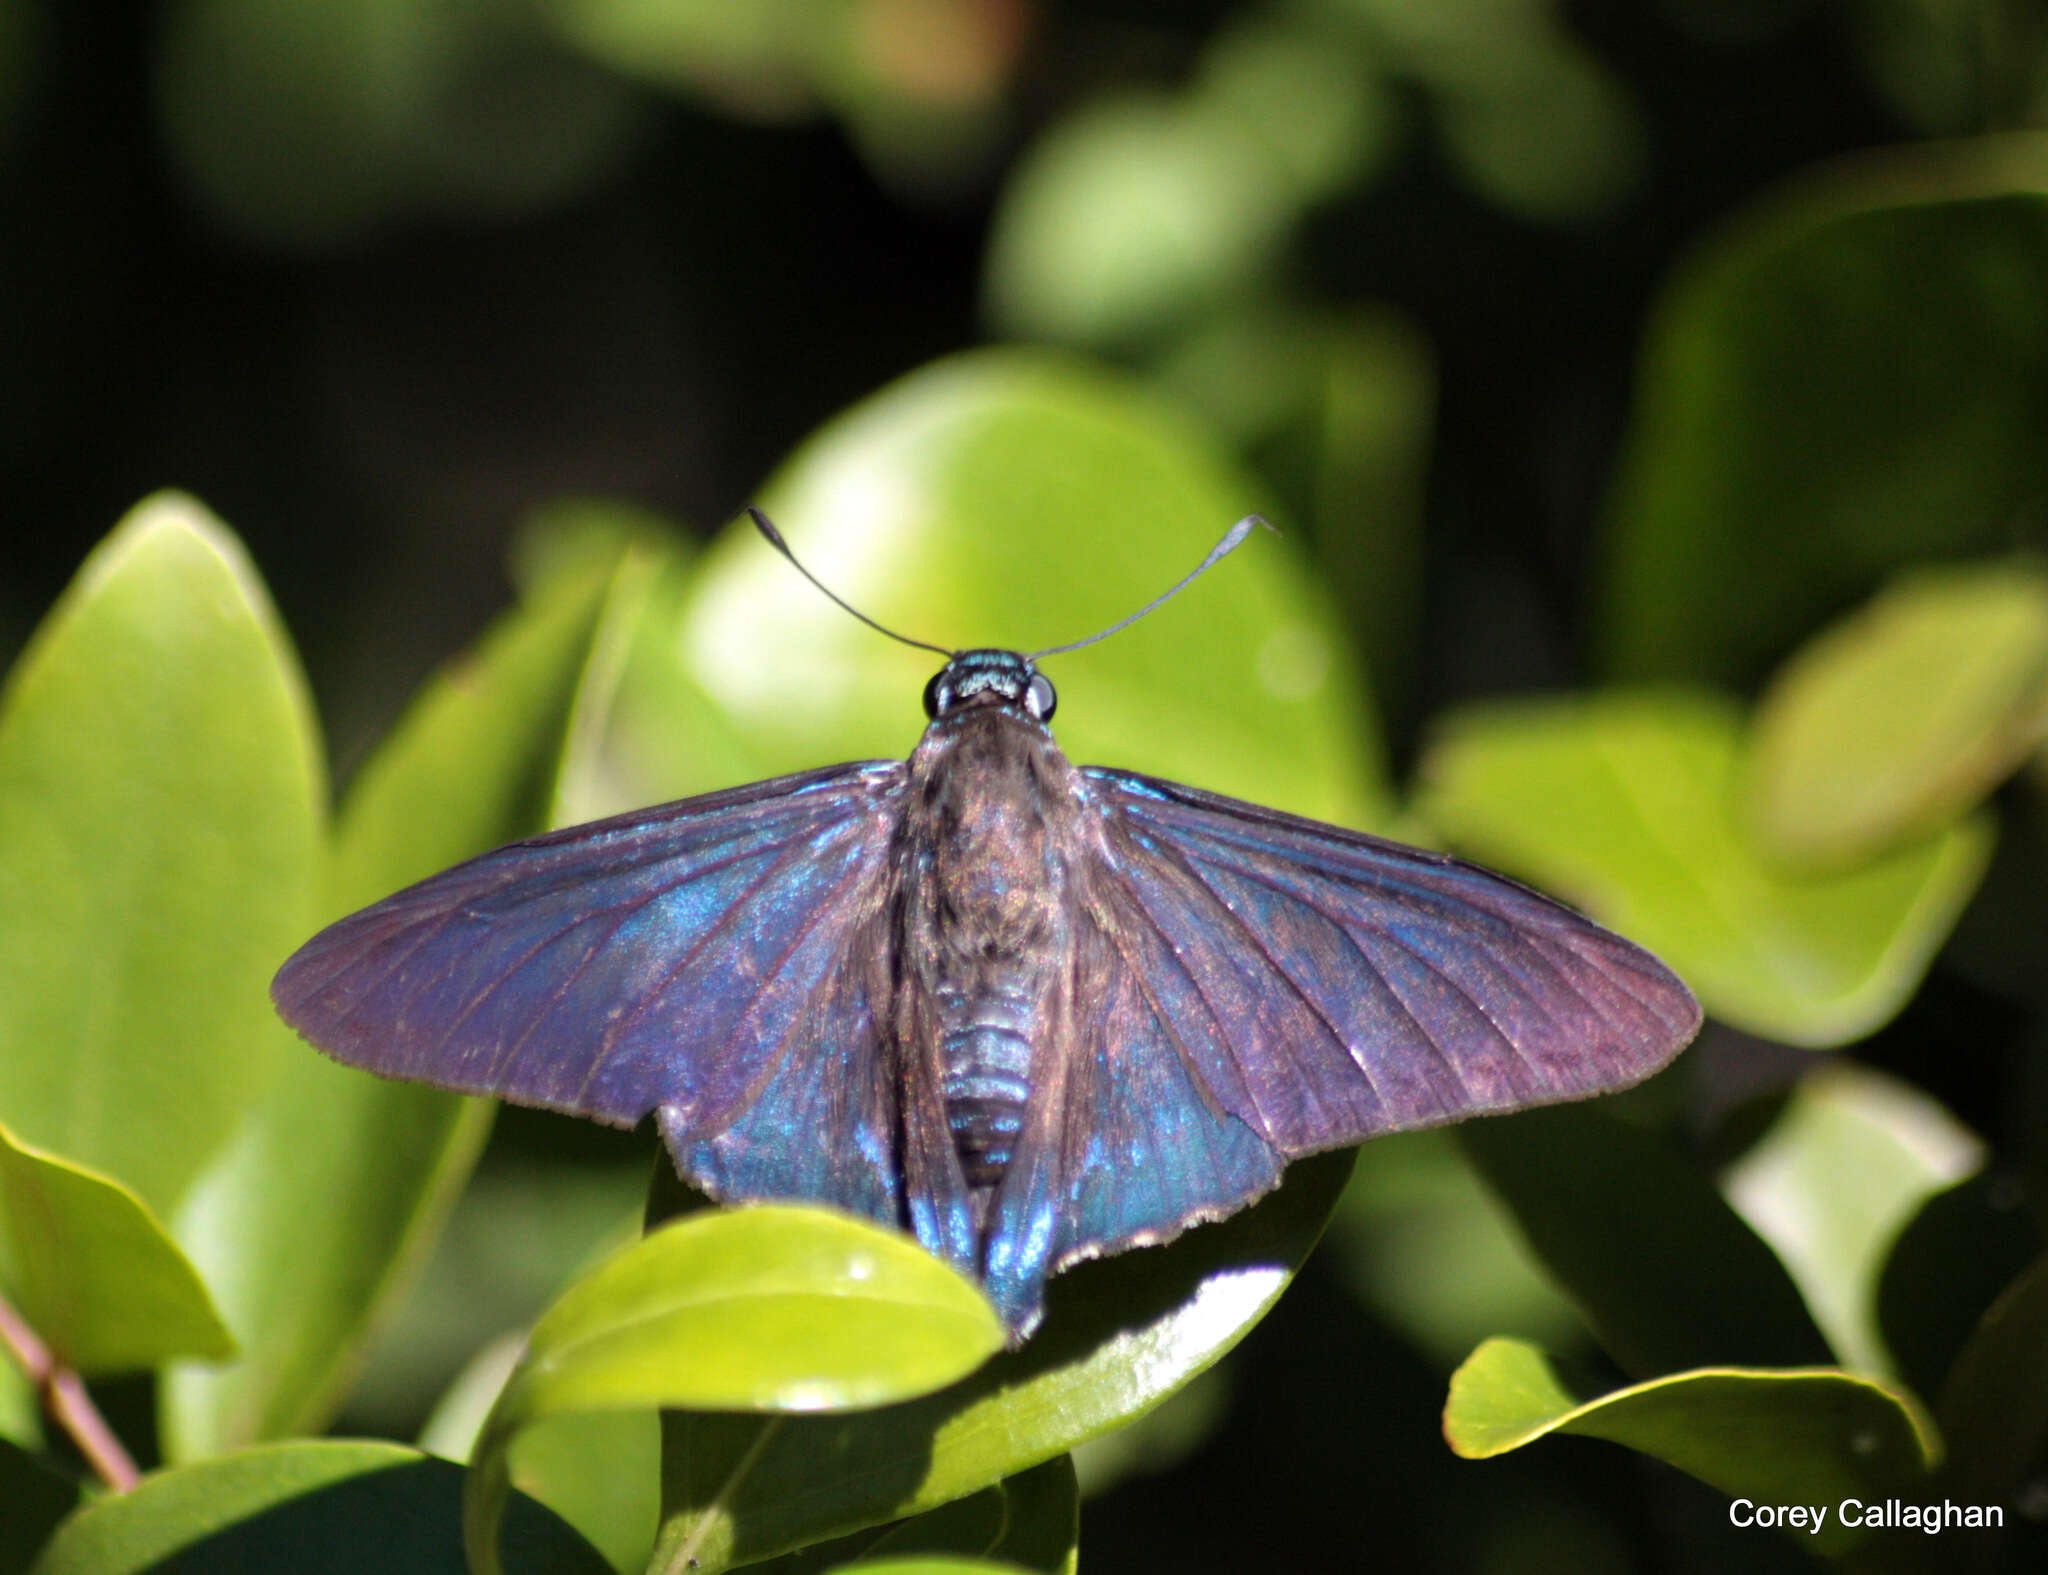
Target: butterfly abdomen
{"x":985,"y":1070}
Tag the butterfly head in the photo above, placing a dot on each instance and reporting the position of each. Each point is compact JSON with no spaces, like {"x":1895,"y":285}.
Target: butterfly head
{"x":1006,"y":677}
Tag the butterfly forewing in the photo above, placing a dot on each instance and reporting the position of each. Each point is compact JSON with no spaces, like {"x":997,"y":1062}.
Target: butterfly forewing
{"x":666,"y":957}
{"x":1328,"y":986}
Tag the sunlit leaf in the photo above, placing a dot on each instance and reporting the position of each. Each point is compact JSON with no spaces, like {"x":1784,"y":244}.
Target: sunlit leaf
{"x":1811,"y":1436}
{"x":1021,"y":499}
{"x":767,"y":1309}
{"x":1626,"y":803}
{"x":97,"y":1277}
{"x":1849,"y":1161}
{"x":1900,"y":718}
{"x":158,"y":848}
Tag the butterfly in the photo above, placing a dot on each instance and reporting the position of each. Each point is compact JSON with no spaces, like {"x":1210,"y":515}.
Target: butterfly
{"x":1030,"y":1012}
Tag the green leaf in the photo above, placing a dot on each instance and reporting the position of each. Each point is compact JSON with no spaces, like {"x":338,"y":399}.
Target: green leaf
{"x":932,"y":1564}
{"x":1994,"y":1409}
{"x":337,"y":1184}
{"x":769,"y":1308}
{"x":21,"y":1416}
{"x":1900,"y":718}
{"x":1950,"y":1263}
{"x":1010,"y":497}
{"x":37,"y":1499}
{"x":1132,"y":214}
{"x":158,"y":854}
{"x":1121,"y":1335}
{"x":1844,"y":382}
{"x":95,"y":1275}
{"x":1336,"y":408}
{"x":1665,"y":1271}
{"x":1624,"y":803}
{"x":601,"y":1472}
{"x":314,"y":1507}
{"x":1028,"y":1522}
{"x":1434,"y":1251}
{"x":1810,"y":1436}
{"x":1849,"y":1161}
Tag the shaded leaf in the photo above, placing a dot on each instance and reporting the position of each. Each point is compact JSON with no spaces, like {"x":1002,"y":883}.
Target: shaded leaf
{"x":1947,"y":1267}
{"x":1433,"y":1249}
{"x":314,"y":1507}
{"x":1666,"y":1273}
{"x":95,"y":1275}
{"x":1625,"y":804}
{"x":37,"y":1500}
{"x":1029,"y":1522}
{"x":1994,"y":1408}
{"x":1787,"y":1436}
{"x":1844,"y":381}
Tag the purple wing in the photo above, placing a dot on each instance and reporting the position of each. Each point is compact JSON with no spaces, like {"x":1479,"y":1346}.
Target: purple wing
{"x":1325,"y":986}
{"x":665,"y":958}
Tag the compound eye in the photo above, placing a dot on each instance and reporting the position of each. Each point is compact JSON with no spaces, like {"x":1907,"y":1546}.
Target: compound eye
{"x":1041,"y":698}
{"x":934,"y":695}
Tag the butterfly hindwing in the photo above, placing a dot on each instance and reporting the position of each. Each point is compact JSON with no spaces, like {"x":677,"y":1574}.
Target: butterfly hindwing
{"x":1328,"y":986}
{"x":667,"y":957}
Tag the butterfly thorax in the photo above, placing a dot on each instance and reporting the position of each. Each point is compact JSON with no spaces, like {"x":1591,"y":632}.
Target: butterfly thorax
{"x":985,"y":899}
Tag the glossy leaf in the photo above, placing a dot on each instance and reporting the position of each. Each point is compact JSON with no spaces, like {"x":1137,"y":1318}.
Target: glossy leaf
{"x":1666,"y":1273}
{"x":761,"y":1309}
{"x":315,"y":1507}
{"x":1121,"y":1334}
{"x":1849,"y":1161}
{"x":1625,"y":804}
{"x":1019,"y":499}
{"x":1844,"y":381}
{"x":1783,"y":1436}
{"x":158,"y":848}
{"x":97,"y":1278}
{"x":341,"y":1178}
{"x":1903,"y":716}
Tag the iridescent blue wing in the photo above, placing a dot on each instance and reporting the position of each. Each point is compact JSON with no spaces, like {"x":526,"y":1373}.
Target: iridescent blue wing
{"x":684,"y":958}
{"x":1327,"y":987}
{"x":1266,"y":986}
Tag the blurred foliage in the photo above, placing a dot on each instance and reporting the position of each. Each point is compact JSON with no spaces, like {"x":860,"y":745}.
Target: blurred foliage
{"x":1687,"y":362}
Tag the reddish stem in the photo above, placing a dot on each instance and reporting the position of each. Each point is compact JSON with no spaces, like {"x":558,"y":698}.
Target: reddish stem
{"x":65,"y":1398}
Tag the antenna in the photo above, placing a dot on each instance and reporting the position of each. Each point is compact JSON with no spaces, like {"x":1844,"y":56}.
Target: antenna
{"x":1232,"y":540}
{"x":766,"y":527}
